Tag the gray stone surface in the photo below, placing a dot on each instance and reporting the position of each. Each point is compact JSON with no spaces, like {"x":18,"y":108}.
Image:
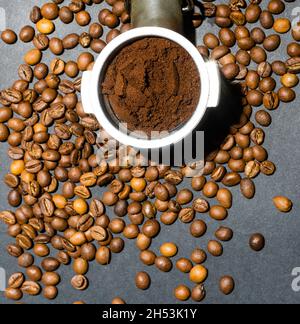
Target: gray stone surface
{"x":260,"y":278}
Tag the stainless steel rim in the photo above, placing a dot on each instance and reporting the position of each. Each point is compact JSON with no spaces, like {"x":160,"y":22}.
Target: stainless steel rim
{"x":187,"y":8}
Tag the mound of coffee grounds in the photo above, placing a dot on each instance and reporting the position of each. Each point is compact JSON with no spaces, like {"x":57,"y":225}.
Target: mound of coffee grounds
{"x":152,"y":85}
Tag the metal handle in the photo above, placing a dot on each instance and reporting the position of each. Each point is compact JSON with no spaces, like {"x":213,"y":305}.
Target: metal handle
{"x":159,"y":13}
{"x":189,"y":6}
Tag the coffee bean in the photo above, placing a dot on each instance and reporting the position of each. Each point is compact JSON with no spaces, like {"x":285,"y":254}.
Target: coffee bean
{"x":224,"y":197}
{"x":283,"y":204}
{"x":12,"y":96}
{"x":257,"y":242}
{"x":31,"y":288}
{"x":247,"y":188}
{"x":253,"y":13}
{"x":272,"y":42}
{"x":198,"y":293}
{"x":184,"y":197}
{"x":186,"y":215}
{"x":198,"y":228}
{"x":27,"y":34}
{"x":35,"y":14}
{"x":286,"y":94}
{"x":224,"y":234}
{"x":218,"y":212}
{"x":184,"y":265}
{"x":282,"y":25}
{"x":66,"y":15}
{"x":41,"y":42}
{"x":50,"y":292}
{"x":226,"y":285}
{"x":16,"y":280}
{"x":293,"y":65}
{"x":263,"y":118}
{"x":70,"y":41}
{"x":231,"y":179}
{"x":182,"y":293}
{"x":142,"y":280}
{"x":169,"y":218}
{"x":268,"y":168}
{"x":34,"y":273}
{"x":200,"y":205}
{"x":98,"y":233}
{"x":50,"y":264}
{"x":163,"y":264}
{"x":198,"y":274}
{"x":50,"y":11}
{"x":24,"y":241}
{"x":168,"y":250}
{"x":230,"y":71}
{"x":8,"y":217}
{"x":50,"y":279}
{"x":13,"y":294}
{"x":215,"y":248}
{"x":9,"y":36}
{"x":103,"y":255}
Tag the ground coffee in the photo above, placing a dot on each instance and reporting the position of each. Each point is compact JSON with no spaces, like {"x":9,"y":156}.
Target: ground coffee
{"x":152,"y":85}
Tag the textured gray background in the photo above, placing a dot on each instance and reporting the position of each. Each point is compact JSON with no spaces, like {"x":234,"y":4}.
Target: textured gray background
{"x":260,"y":278}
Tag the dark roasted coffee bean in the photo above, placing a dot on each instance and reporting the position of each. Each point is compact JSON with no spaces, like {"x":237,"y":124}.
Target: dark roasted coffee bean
{"x":257,"y":242}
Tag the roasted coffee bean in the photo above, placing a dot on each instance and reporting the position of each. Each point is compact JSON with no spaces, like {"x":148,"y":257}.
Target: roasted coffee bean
{"x":184,"y":197}
{"x":163,"y":264}
{"x":272,"y":42}
{"x":293,"y":65}
{"x":271,"y":100}
{"x":247,"y":188}
{"x":215,"y":248}
{"x":24,"y":241}
{"x":186,"y":215}
{"x":184,"y":265}
{"x":169,"y":218}
{"x":16,"y":280}
{"x":198,"y":228}
{"x":103,"y":255}
{"x":198,"y":274}
{"x":267,"y":168}
{"x":263,"y":118}
{"x":35,"y":14}
{"x":218,"y":213}
{"x":182,"y":293}
{"x":142,"y":280}
{"x":12,"y":96}
{"x":151,"y":228}
{"x":98,"y":233}
{"x":200,"y":205}
{"x":79,"y":282}
{"x":14,"y":250}
{"x":168,"y":250}
{"x":253,"y":13}
{"x":50,"y":264}
{"x":96,"y":208}
{"x":25,"y":260}
{"x":9,"y":36}
{"x":226,"y":285}
{"x":13,"y":294}
{"x":257,"y":242}
{"x":283,"y":204}
{"x":8,"y":217}
{"x":198,"y":293}
{"x":224,"y":234}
